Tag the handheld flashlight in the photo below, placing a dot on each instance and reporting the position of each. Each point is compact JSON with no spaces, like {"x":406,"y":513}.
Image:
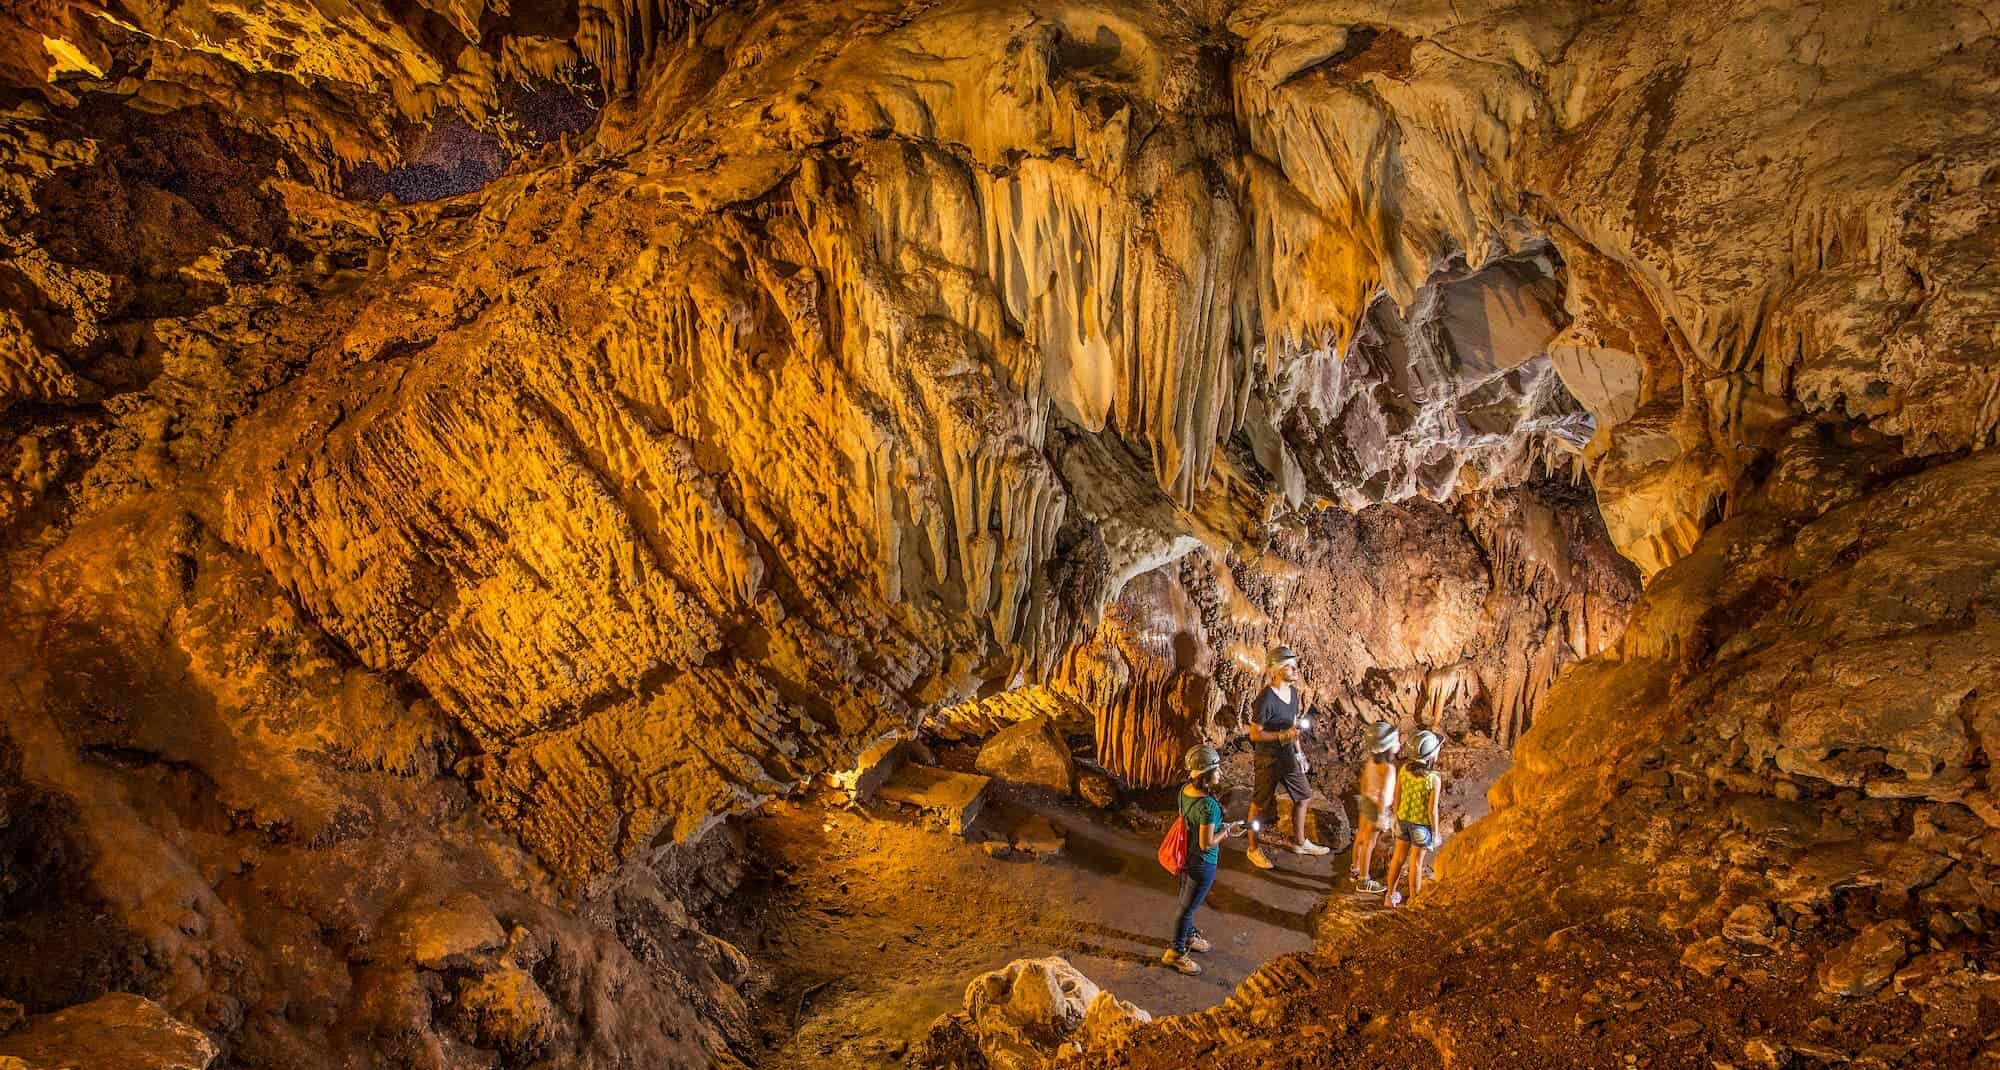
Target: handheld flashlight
{"x":1305,"y":722}
{"x":1256,"y":826}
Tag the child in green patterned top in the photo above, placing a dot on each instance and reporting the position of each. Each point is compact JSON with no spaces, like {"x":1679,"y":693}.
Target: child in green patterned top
{"x":1417,"y":789}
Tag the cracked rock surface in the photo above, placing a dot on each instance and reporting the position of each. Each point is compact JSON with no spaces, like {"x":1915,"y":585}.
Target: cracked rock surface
{"x":402,"y":592}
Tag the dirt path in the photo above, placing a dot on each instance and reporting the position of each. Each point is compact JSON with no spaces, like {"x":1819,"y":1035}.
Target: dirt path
{"x":871,"y":924}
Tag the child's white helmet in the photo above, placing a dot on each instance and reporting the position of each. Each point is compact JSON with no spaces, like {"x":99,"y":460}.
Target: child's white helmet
{"x":1383,"y":736}
{"x":1427,"y":745}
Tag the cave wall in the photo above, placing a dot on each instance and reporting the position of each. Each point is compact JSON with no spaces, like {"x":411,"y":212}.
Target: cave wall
{"x":670,"y":467}
{"x":1797,"y":718}
{"x":1454,"y":618}
{"x":860,"y":356}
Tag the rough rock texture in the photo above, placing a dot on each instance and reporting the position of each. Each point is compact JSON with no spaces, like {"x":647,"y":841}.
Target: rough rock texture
{"x":208,"y":802}
{"x":1031,"y":752}
{"x":1867,"y":962}
{"x":1017,"y":1016}
{"x":119,"y":1031}
{"x":1455,"y":619}
{"x":1775,"y":779}
{"x":855,"y":359}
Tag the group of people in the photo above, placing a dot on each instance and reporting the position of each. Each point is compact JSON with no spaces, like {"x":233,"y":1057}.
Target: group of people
{"x":1396,"y":799}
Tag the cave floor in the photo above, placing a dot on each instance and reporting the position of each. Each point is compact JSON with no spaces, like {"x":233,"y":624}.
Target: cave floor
{"x":872,"y":923}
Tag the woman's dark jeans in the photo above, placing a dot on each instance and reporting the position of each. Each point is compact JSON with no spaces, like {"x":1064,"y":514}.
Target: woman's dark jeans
{"x":1196,"y":877}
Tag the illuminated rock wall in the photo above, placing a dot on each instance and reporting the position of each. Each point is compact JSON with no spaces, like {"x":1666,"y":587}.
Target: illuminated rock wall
{"x":1457,"y":619}
{"x":858,"y":357}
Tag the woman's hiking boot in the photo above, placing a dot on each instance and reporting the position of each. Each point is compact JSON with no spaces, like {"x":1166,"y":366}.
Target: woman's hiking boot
{"x":1179,"y":960}
{"x":1199,"y":943}
{"x":1256,"y":857}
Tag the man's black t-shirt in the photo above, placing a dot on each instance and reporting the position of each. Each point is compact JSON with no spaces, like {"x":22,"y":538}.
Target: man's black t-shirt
{"x":1274,"y":714}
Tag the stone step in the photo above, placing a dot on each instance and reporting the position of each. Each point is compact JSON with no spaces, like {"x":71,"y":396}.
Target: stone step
{"x":956,"y":797}
{"x":872,"y":769}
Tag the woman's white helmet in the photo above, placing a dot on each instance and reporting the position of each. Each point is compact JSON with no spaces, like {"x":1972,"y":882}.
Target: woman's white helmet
{"x":1200,"y":759}
{"x":1382,"y":735}
{"x":1427,"y":745}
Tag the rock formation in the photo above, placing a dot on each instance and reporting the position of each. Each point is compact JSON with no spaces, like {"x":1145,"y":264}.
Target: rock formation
{"x":1030,"y":752}
{"x":1455,"y":620}
{"x":400,"y":591}
{"x":1018,"y":1016}
{"x":114,"y":1032}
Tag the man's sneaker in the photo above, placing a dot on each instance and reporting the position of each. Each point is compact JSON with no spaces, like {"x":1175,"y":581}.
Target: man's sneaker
{"x":1307,"y":847}
{"x":1179,"y":961}
{"x":1199,"y":943}
{"x":1256,"y":857}
{"x":1373,"y":886}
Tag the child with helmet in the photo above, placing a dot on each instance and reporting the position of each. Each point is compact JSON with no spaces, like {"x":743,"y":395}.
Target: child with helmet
{"x":1206,"y":831}
{"x":1374,"y":802}
{"x":1417,"y":789}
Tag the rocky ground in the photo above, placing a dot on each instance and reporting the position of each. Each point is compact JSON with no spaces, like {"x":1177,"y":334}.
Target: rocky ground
{"x":1440,"y":985}
{"x":871,"y":924}
{"x":869,"y":921}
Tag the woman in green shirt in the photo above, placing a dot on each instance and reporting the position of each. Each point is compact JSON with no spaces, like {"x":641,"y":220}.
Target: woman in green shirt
{"x":1206,"y":831}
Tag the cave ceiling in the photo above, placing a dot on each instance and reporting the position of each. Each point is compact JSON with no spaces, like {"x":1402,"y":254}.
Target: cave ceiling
{"x":628,"y":410}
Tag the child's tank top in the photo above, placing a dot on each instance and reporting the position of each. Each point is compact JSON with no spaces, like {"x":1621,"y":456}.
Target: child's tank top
{"x":1413,"y":796}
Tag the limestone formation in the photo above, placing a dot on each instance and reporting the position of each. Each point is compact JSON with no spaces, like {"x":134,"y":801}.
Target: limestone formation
{"x":402,"y":592}
{"x":1016,"y":1017}
{"x":1032,"y":752}
{"x":119,"y":1031}
{"x":1457,"y":620}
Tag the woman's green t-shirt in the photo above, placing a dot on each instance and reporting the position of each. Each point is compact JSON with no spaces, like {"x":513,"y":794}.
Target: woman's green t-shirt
{"x":1202,"y":810}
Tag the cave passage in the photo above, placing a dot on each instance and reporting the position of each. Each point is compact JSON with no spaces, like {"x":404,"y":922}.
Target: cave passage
{"x":592,"y":534}
{"x":1023,"y":825}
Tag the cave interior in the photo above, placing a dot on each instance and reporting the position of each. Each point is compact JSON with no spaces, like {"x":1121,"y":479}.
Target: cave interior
{"x":701,"y":533}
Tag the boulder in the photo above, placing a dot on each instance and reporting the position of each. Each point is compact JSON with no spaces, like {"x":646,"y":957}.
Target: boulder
{"x":1032,"y":752}
{"x":954,"y":798}
{"x":1753,"y":924}
{"x":1867,"y":962}
{"x":1108,"y":1018}
{"x":1097,"y":788}
{"x":876,"y":764}
{"x":1020,"y":1014}
{"x":440,"y":932}
{"x":1766,"y":1053}
{"x":1334,"y":832}
{"x":507,"y":1010}
{"x":1705,"y":957}
{"x":1037,"y":836}
{"x":119,"y":1031}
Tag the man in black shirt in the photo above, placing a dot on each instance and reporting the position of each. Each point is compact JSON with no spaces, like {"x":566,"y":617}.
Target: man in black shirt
{"x":1274,"y":735}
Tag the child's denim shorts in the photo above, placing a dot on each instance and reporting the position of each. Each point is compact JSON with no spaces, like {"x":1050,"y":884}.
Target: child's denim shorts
{"x":1412,"y":833}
